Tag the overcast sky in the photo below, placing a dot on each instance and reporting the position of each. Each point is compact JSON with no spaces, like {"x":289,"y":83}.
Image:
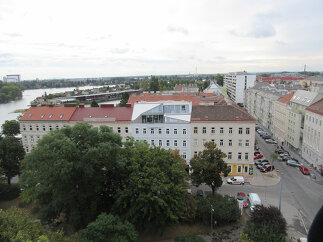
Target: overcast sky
{"x":76,"y":38}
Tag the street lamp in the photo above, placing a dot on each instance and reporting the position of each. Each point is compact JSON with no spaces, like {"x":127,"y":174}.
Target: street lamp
{"x":281,"y":188}
{"x":212,"y":210}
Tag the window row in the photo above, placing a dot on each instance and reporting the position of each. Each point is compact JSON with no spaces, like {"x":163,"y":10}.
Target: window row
{"x":167,"y":143}
{"x":240,"y":169}
{"x":40,"y":127}
{"x":221,"y":130}
{"x":313,"y":120}
{"x":160,"y":131}
{"x":33,"y":139}
{"x":221,"y":142}
{"x":240,"y":155}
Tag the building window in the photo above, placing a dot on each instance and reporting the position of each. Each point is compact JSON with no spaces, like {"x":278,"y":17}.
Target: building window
{"x":167,"y":131}
{"x":239,"y":169}
{"x":246,"y":169}
{"x":167,"y":142}
{"x":37,"y":127}
{"x":203,"y":141}
{"x":246,"y":156}
{"x":126,"y":130}
{"x":160,"y":142}
{"x":212,"y":130}
{"x":221,"y":142}
{"x":137,"y":131}
{"x":213,"y":141}
{"x":175,"y":131}
{"x":195,"y":153}
{"x":175,"y":142}
{"x":152,"y":142}
{"x":25,"y":137}
{"x":184,"y":131}
{"x":240,"y":130}
{"x":44,"y":128}
{"x":247,"y":130}
{"x":144,"y":131}
{"x":240,"y":142}
{"x":57,"y":127}
{"x":239,"y":156}
{"x":30,"y":127}
{"x":119,"y":130}
{"x":196,"y":142}
{"x":152,"y":131}
{"x":195,"y":130}
{"x":204,"y":130}
{"x":230,"y":142}
{"x":184,"y":155}
{"x":221,"y":130}
{"x":24,"y":127}
{"x":247,"y":143}
{"x":31,"y":139}
{"x":230,"y":130}
{"x":184,"y":143}
{"x":229,"y":155}
{"x":50,"y":127}
{"x":230,"y":167}
{"x":183,"y":107}
{"x":160,"y":131}
{"x":27,"y":149}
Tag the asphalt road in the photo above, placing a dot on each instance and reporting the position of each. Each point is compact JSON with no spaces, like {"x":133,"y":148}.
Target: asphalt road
{"x":301,"y":196}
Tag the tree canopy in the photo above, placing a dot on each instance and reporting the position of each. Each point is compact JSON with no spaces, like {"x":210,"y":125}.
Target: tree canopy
{"x":219,"y":79}
{"x":124,"y":99}
{"x":108,"y":228}
{"x":10,"y":128}
{"x":208,"y":165}
{"x":94,"y":104}
{"x":11,"y":154}
{"x":75,"y":171}
{"x":154,"y":84}
{"x":153,"y":194}
{"x":9,"y":91}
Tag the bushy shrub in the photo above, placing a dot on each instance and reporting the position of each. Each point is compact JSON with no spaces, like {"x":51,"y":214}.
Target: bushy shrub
{"x":188,"y":238}
{"x":190,"y":208}
{"x":9,"y":192}
{"x":256,"y":233}
{"x":225,"y":209}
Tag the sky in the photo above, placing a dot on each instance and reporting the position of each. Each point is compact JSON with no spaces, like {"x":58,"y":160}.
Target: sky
{"x":79,"y":38}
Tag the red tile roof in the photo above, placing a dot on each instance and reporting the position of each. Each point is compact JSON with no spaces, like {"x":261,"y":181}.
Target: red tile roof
{"x":156,"y":97}
{"x":316,"y":107}
{"x":102,"y":114}
{"x":220,"y":113}
{"x":281,"y":78}
{"x":48,"y":114}
{"x":286,"y":99}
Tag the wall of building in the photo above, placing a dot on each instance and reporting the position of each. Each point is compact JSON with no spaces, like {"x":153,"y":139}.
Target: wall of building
{"x":280,"y":121}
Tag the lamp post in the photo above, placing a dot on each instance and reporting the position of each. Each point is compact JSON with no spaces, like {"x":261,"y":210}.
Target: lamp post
{"x":281,"y":188}
{"x":212,"y":210}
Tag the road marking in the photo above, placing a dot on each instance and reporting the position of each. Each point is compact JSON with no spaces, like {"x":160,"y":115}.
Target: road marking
{"x":300,"y":215}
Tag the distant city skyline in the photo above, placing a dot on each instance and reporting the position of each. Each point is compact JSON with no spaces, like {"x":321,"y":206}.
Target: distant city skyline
{"x":74,"y":39}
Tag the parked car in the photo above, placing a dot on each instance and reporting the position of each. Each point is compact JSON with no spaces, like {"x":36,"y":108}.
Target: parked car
{"x":286,"y":158}
{"x":260,"y":131}
{"x":256,"y":153}
{"x":267,"y":167}
{"x":258,"y":156}
{"x":279,"y":151}
{"x":293,"y":162}
{"x":254,"y":200}
{"x":236,"y":180}
{"x":258,"y":162}
{"x":263,"y":164}
{"x":241,"y":196}
{"x":321,"y":171}
{"x":304,"y":170}
{"x":312,"y":175}
{"x":279,"y":147}
{"x":270,"y":141}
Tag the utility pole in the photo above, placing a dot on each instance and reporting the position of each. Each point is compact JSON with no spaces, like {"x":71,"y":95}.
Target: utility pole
{"x":211,"y":217}
{"x":281,"y":189}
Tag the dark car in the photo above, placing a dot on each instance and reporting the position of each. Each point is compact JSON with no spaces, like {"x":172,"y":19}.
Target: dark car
{"x":263,"y":164}
{"x":304,"y":170}
{"x":286,"y":158}
{"x":258,"y":162}
{"x":267,"y":167}
{"x":279,"y":147}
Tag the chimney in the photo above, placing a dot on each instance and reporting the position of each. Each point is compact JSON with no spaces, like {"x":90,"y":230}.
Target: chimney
{"x":128,"y":104}
{"x":81,"y":105}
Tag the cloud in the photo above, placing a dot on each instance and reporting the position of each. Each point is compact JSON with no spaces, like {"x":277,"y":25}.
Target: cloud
{"x":13,"y":35}
{"x":180,"y":30}
{"x":261,"y":26}
{"x":119,"y":50}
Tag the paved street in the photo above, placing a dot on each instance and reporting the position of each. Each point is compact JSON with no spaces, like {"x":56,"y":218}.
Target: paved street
{"x":302,"y":197}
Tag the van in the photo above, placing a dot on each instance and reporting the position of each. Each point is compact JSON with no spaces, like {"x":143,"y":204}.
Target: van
{"x":253,"y":200}
{"x":236,"y":180}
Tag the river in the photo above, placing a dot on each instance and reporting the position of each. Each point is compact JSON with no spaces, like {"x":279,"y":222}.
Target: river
{"x":7,"y":109}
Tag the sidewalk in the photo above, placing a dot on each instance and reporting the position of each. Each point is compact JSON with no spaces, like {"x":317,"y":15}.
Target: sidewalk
{"x":264,"y":179}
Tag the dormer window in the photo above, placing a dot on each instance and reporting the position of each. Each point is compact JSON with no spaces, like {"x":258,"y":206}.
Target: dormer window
{"x":61,"y":116}
{"x":42,"y":116}
{"x":29,"y":115}
{"x":50,"y":116}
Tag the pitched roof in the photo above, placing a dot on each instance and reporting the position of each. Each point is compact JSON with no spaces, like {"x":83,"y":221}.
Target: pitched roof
{"x":286,"y":99}
{"x":220,"y":113}
{"x":48,"y":114}
{"x":157,"y":97}
{"x":316,"y":107}
{"x":303,"y":97}
{"x":104,"y":114}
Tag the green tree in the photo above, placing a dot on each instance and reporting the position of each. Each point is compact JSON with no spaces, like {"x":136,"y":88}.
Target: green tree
{"x":254,"y":233}
{"x":76,"y":171}
{"x":219,"y":79}
{"x":152,"y":196}
{"x":154,"y":84}
{"x":17,"y":225}
{"x":108,"y":228}
{"x":94,"y":104}
{"x":10,"y":128}
{"x":124,"y":99}
{"x":208,"y":166}
{"x":11,"y":154}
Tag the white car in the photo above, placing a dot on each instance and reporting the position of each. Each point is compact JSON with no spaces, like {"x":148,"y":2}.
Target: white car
{"x":236,"y":180}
